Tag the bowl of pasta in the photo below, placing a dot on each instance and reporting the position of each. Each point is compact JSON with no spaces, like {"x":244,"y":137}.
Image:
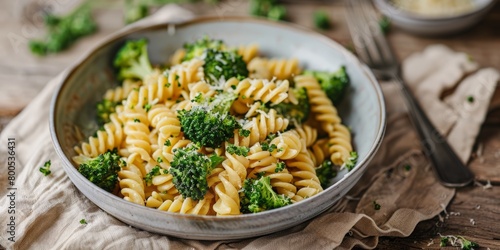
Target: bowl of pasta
{"x":224,"y":129}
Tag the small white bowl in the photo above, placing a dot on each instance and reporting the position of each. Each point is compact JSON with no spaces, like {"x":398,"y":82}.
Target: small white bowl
{"x":434,"y":25}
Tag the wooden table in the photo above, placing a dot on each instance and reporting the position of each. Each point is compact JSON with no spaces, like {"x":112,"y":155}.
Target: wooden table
{"x":474,"y":203}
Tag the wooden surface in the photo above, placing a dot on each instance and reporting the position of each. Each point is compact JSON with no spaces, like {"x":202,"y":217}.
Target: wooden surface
{"x":22,"y":79}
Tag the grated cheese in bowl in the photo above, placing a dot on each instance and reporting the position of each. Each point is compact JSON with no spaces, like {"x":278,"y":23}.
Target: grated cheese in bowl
{"x":435,"y":8}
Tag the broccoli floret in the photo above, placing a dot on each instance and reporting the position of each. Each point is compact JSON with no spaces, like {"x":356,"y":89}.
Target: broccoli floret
{"x":63,"y":31}
{"x":46,"y":168}
{"x":321,"y":20}
{"x":190,"y":169}
{"x":210,"y":124}
{"x":257,"y":195}
{"x":132,"y":60}
{"x":267,"y":8}
{"x":325,"y":173}
{"x":135,"y":10}
{"x":197,"y":48}
{"x":103,"y":170}
{"x":223,"y":65}
{"x":351,"y":161}
{"x":298,"y":112}
{"x":104,"y":109}
{"x":333,"y":83}
{"x":277,"y":13}
{"x":385,"y":24}
{"x":464,"y":243}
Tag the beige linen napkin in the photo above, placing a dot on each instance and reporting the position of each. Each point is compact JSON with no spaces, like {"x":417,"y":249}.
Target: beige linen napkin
{"x":48,"y":209}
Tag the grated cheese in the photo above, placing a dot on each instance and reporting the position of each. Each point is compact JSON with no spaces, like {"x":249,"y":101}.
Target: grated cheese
{"x":435,"y":8}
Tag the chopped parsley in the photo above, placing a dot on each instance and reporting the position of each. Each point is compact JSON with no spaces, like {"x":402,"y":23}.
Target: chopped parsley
{"x":147,"y":107}
{"x":376,"y":206}
{"x":241,"y":151}
{"x":83,"y":222}
{"x":280,"y":166}
{"x":157,"y":170}
{"x":407,"y":167}
{"x":244,"y":132}
{"x":470,"y":99}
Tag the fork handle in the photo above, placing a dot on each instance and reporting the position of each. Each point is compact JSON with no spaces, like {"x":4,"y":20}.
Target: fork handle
{"x":449,"y":168}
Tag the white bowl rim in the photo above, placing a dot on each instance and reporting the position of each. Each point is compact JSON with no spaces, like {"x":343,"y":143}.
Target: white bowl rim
{"x":68,"y":165}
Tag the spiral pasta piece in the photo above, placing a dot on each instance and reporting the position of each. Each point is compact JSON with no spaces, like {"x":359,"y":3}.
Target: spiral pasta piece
{"x":248,"y":52}
{"x":288,"y":145}
{"x":177,"y":57}
{"x":319,"y":151}
{"x":228,"y":199}
{"x":132,"y":184}
{"x":165,"y":121}
{"x":340,"y":145}
{"x":304,"y":173}
{"x":251,"y":90}
{"x":121,"y":92}
{"x":279,"y":68}
{"x":178,"y":77}
{"x":110,"y":138}
{"x":321,"y":106}
{"x":308,"y":133}
{"x":261,"y":126}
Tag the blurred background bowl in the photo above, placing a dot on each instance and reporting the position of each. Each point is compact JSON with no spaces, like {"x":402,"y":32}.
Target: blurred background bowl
{"x":73,"y":118}
{"x":435,"y":24}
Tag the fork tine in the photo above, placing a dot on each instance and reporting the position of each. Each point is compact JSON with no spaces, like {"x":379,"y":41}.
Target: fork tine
{"x":370,"y":43}
{"x":356,"y":29}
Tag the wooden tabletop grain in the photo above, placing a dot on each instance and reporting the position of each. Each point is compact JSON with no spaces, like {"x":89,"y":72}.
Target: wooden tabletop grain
{"x":474,"y":212}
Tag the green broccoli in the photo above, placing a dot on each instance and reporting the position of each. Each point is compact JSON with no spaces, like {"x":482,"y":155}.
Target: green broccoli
{"x":321,"y":20}
{"x":333,"y":83}
{"x":223,"y":65}
{"x":267,"y":8}
{"x":135,"y":10}
{"x":277,"y":13}
{"x":210,"y":124}
{"x":46,"y":168}
{"x":385,"y":24}
{"x":190,"y":169}
{"x":104,"y":109}
{"x":297,"y":112}
{"x":257,"y":195}
{"x":464,"y":243}
{"x":102,"y":170}
{"x":351,"y":161}
{"x":132,"y":60}
{"x":197,"y":48}
{"x":63,"y":31}
{"x":325,"y":173}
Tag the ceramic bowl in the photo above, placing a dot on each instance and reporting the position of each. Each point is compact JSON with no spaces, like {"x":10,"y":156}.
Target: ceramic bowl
{"x":434,"y":25}
{"x":73,"y":110}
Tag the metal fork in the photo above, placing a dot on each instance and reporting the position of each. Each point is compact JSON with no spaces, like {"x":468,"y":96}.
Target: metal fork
{"x":374,"y":50}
